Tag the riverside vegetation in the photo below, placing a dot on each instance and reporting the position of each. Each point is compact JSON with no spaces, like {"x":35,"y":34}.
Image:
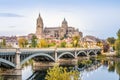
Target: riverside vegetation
{"x":60,"y":73}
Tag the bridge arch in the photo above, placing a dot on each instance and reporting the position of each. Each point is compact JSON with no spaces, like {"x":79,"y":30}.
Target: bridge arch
{"x":98,"y":52}
{"x":81,"y":52}
{"x":34,"y":55}
{"x":7,"y":62}
{"x":92,"y":52}
{"x":69,"y":53}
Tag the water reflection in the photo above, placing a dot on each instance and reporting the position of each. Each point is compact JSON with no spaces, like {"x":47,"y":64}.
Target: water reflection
{"x":107,"y":71}
{"x":117,"y":66}
{"x":38,"y":75}
{"x":89,"y":70}
{"x":26,"y":72}
{"x":10,"y":77}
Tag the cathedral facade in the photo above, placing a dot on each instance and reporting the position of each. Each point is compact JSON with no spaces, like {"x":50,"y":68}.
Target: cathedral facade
{"x":63,"y":31}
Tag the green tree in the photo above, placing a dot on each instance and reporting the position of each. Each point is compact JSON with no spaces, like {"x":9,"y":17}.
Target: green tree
{"x":4,"y":43}
{"x":60,"y":73}
{"x":1,"y":78}
{"x":117,"y":67}
{"x":52,"y":44}
{"x":76,"y":41}
{"x":42,"y":43}
{"x":34,"y":41}
{"x":63,"y":44}
{"x":118,"y":34}
{"x":117,"y":44}
{"x":22,"y":42}
{"x":111,"y":67}
{"x":111,"y":40}
{"x":117,"y":47}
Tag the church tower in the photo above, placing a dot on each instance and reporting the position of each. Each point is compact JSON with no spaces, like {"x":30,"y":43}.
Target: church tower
{"x":39,"y":27}
{"x":64,"y":24}
{"x":64,"y":28}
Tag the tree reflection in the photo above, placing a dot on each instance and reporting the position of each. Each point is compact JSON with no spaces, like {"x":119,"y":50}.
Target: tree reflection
{"x":111,"y":66}
{"x":117,"y":67}
{"x":1,"y":78}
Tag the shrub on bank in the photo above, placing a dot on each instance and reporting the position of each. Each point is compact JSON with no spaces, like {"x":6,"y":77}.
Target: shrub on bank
{"x":60,"y":73}
{"x":117,"y":44}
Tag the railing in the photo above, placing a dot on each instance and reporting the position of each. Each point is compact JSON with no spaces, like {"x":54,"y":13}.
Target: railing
{"x":36,"y":49}
{"x":8,"y":50}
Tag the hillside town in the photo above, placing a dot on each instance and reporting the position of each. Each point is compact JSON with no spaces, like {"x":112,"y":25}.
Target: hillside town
{"x":62,"y":36}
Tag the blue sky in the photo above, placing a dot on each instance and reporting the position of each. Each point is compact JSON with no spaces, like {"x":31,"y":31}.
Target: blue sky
{"x":100,"y":18}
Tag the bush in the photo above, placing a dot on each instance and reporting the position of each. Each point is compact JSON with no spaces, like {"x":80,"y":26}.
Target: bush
{"x":52,"y":44}
{"x":60,"y":73}
{"x":42,"y":43}
{"x":63,"y":44}
{"x":1,"y":78}
{"x":117,"y":47}
{"x":117,"y":44}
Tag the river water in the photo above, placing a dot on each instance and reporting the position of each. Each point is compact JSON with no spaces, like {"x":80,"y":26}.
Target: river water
{"x":106,"y":70}
{"x":101,"y":73}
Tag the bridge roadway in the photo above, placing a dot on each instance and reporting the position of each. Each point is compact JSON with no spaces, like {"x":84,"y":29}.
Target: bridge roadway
{"x":17,"y":57}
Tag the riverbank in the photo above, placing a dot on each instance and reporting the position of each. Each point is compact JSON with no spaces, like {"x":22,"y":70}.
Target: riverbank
{"x":109,"y":53}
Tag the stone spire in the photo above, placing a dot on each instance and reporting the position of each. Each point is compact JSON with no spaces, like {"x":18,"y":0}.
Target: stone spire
{"x":39,"y":27}
{"x":39,"y":20}
{"x":39,"y":15}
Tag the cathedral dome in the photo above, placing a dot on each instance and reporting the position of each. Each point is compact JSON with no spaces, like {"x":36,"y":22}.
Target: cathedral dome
{"x":64,"y":21}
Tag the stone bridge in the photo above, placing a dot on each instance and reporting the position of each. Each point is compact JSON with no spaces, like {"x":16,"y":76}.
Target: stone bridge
{"x":17,"y":57}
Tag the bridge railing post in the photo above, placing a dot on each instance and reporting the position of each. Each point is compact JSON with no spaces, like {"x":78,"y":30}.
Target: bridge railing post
{"x":76,"y":58}
{"x":17,"y":58}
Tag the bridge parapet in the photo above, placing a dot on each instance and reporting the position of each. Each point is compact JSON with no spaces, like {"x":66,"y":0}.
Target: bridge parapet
{"x":45,"y":49}
{"x":36,"y":49}
{"x":8,"y":50}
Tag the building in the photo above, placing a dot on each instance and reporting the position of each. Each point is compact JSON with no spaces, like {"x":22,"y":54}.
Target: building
{"x":90,"y":41}
{"x":60,"y":32}
{"x":10,"y":41}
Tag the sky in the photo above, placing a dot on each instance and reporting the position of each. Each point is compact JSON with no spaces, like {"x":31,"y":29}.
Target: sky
{"x":100,"y":18}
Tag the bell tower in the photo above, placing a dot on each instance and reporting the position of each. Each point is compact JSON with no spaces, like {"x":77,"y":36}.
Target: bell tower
{"x":39,"y":27}
{"x":64,"y":24}
{"x":64,"y":28}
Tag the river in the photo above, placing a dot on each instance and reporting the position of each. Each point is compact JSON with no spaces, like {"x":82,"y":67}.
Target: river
{"x":105,"y":70}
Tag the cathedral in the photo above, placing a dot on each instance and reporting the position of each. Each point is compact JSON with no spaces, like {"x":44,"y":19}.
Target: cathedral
{"x":63,"y":31}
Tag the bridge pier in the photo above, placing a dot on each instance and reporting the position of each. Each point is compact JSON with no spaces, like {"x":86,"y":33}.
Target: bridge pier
{"x":76,"y":58}
{"x":17,"y":59}
{"x":17,"y":70}
{"x":75,"y":54}
{"x":56,"y":58}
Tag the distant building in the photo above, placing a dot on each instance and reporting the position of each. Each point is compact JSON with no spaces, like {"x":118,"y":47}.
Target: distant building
{"x":90,"y":41}
{"x":10,"y":41}
{"x":63,"y":31}
{"x":30,"y":36}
